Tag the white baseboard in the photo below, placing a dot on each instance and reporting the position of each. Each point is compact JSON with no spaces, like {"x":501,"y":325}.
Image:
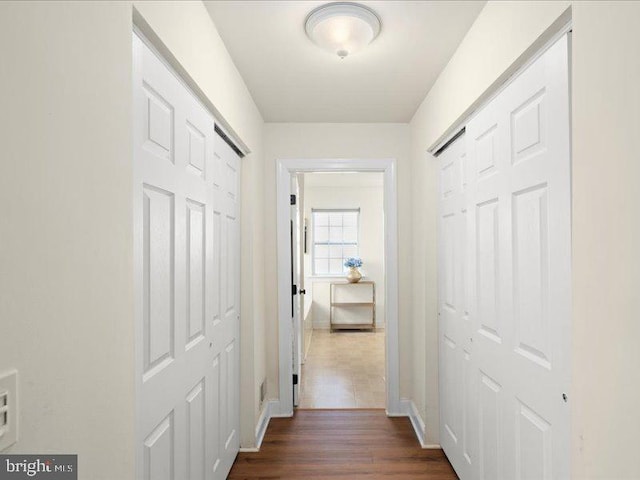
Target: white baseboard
{"x":270,"y":407}
{"x":410,"y":410}
{"x":263,"y":422}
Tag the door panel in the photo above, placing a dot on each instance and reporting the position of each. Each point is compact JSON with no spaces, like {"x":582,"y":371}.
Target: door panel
{"x":196,"y":267}
{"x":158,"y":282}
{"x":530,"y":269}
{"x":512,"y":339}
{"x":226,"y":332}
{"x":488,"y":268}
{"x":186,"y":279}
{"x":490,"y":438}
{"x":453,"y":387}
{"x":456,"y":384}
{"x":468,"y":447}
{"x":533,"y":445}
{"x":159,"y":449}
{"x":214,"y":420}
{"x":196,"y":438}
{"x":448,"y":251}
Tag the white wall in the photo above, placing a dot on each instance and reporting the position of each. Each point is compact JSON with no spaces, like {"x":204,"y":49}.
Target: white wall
{"x":66,"y":229}
{"x":606,"y":235}
{"x":314,"y":140}
{"x":369,"y":199}
{"x":606,"y":223}
{"x":66,"y":206}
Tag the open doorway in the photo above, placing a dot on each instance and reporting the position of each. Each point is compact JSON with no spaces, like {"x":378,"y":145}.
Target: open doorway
{"x":340,"y":218}
{"x":338,"y":341}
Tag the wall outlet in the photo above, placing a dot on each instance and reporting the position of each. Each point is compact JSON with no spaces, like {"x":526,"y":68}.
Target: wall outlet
{"x":8,"y":409}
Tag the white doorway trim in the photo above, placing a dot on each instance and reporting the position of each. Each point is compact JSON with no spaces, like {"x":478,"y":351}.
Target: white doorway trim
{"x":392,"y":368}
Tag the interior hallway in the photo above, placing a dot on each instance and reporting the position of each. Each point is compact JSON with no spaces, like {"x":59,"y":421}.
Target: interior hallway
{"x":338,"y":444}
{"x":344,"y":369}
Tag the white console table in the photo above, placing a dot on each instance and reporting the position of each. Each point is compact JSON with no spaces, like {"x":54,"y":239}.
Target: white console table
{"x":352,"y":305}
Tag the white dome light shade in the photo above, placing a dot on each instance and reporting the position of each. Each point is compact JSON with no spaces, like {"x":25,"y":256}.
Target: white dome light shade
{"x":342,"y":28}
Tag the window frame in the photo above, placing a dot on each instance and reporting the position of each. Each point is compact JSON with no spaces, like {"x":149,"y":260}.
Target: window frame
{"x":328,"y":243}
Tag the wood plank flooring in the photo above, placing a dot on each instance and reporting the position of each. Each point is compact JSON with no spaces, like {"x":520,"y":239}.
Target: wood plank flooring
{"x":342,"y":444}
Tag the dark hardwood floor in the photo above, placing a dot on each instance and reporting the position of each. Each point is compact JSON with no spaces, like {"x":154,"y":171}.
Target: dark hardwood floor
{"x":342,"y":444}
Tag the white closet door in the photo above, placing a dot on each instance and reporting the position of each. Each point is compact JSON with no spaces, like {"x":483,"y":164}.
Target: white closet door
{"x":518,"y":203}
{"x":186,"y":267}
{"x":458,"y":430}
{"x":226,"y":307}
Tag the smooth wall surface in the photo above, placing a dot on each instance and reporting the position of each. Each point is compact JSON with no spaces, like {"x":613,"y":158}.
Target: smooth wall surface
{"x":66,"y":307}
{"x":606,"y":235}
{"x":320,"y":140}
{"x":65,"y":236}
{"x":369,"y":199}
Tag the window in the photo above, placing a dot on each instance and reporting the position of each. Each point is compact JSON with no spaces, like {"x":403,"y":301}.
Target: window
{"x":335,"y":238}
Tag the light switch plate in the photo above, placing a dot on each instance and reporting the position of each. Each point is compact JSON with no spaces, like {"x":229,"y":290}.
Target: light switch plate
{"x":8,"y":409}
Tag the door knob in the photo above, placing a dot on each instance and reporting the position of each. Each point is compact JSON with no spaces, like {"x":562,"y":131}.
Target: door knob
{"x":302,"y":291}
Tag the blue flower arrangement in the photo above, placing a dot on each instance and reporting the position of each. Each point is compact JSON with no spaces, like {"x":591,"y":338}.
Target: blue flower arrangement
{"x":352,"y":262}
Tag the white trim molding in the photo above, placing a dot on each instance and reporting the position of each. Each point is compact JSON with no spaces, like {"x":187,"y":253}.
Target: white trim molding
{"x":263,"y":423}
{"x":410,"y":410}
{"x":283,"y":174}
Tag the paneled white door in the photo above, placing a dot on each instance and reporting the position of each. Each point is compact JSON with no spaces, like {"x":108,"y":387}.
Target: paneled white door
{"x":512,"y":281}
{"x":457,"y":380}
{"x":186,"y":260}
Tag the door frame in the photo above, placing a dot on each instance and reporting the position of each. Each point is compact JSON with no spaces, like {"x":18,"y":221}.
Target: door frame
{"x":284,"y":170}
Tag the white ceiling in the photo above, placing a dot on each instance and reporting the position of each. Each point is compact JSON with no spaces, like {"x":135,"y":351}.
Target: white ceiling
{"x":344,"y":179}
{"x":292,"y":80}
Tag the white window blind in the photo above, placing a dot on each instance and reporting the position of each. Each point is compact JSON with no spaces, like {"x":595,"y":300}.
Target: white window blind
{"x":335,"y":238}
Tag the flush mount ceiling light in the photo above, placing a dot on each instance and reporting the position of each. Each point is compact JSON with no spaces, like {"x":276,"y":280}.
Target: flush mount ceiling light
{"x":342,"y":28}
